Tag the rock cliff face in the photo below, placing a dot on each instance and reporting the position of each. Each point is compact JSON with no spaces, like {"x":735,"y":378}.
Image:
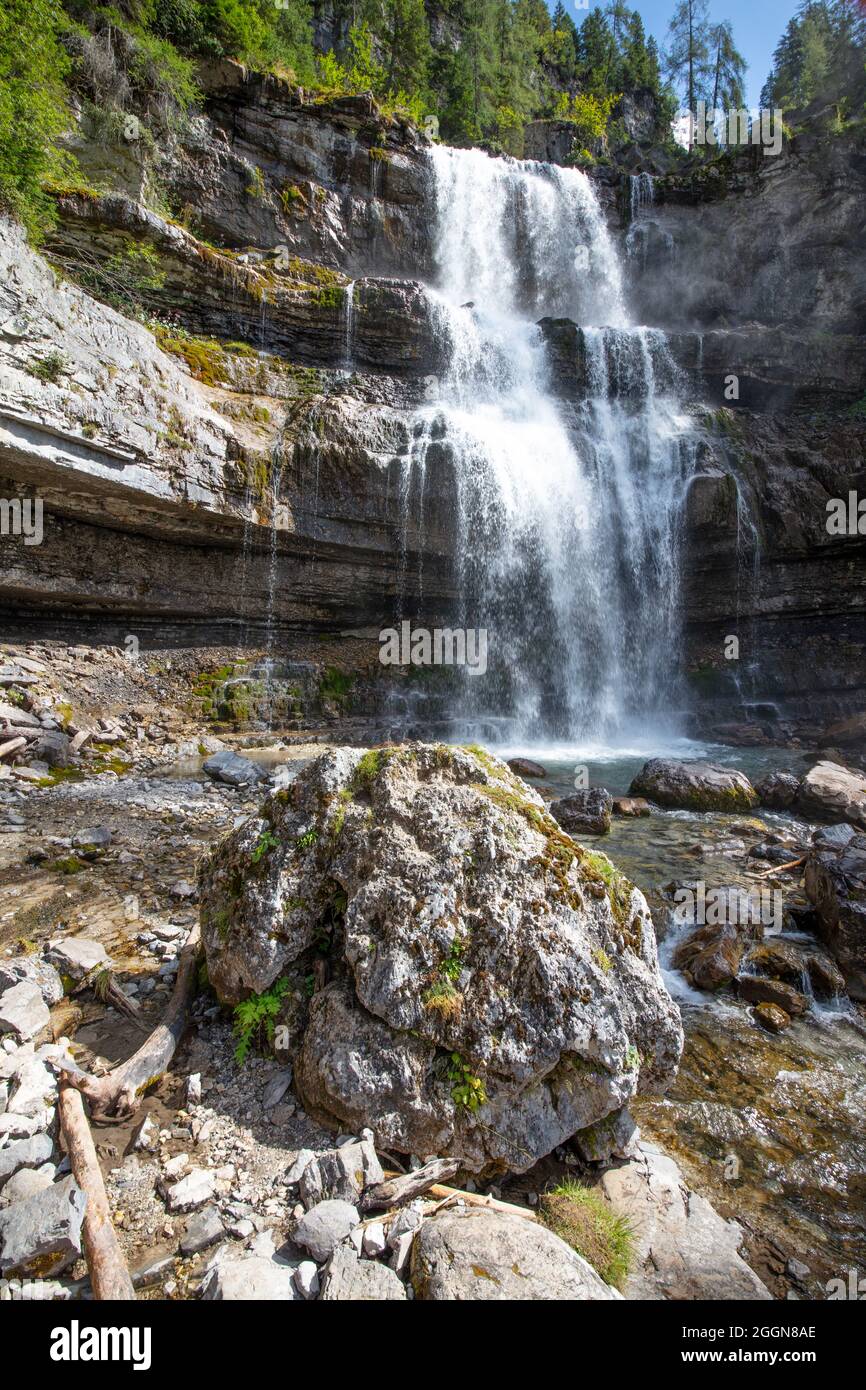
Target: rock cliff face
{"x":754,"y":271}
{"x":240,"y":459}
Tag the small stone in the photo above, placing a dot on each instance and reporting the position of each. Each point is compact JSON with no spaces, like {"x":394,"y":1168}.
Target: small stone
{"x":147,"y":1135}
{"x":175,"y":1166}
{"x":304,"y":1157}
{"x":276,"y":1088}
{"x":324,"y":1226}
{"x":192,"y":1191}
{"x":374,"y":1243}
{"x":250,"y":1278}
{"x":306,"y":1279}
{"x":193,"y":1089}
{"x":24,"y":1153}
{"x":23,"y":1011}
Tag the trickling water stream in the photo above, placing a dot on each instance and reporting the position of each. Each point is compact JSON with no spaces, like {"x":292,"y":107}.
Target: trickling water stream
{"x":567,"y":512}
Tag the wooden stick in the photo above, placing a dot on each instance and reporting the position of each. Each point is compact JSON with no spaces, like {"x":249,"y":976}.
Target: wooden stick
{"x":117,"y":1096}
{"x":780,"y":868}
{"x":397,"y":1191}
{"x":477,"y":1199}
{"x":109,"y":1275}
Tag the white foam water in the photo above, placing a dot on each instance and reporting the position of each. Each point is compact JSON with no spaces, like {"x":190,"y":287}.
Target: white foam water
{"x":567,"y":508}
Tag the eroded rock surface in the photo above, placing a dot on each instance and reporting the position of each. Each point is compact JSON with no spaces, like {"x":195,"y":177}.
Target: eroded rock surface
{"x":482,"y":985}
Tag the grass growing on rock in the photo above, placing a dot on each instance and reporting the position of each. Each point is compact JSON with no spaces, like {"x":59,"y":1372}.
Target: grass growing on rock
{"x":583,"y":1219}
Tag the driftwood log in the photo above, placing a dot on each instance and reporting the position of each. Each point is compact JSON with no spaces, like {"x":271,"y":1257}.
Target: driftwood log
{"x":109,"y":1275}
{"x":116,"y":1096}
{"x":400,"y":1188}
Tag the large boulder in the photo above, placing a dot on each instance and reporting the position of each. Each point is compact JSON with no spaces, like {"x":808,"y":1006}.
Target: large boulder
{"x":459,"y":975}
{"x":585,"y":812}
{"x":696,"y":786}
{"x":833,"y":793}
{"x":483,"y":1255}
{"x":836,"y":884}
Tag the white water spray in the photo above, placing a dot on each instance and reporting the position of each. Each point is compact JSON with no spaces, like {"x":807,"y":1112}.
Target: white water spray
{"x":568,"y":508}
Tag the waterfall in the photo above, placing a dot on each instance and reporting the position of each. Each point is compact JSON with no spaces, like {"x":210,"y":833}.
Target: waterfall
{"x":567,"y":507}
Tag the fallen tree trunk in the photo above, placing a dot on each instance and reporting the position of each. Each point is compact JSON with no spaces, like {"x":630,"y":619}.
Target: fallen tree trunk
{"x":116,"y":1096}
{"x":109,"y":1275}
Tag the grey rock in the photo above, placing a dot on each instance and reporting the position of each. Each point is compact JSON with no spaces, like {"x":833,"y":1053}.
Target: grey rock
{"x":833,"y":793}
{"x":26,"y":1183}
{"x":836,"y":883}
{"x":51,"y":747}
{"x":350,"y":1279}
{"x":23,"y":1011}
{"x":616,"y":1136}
{"x":37,"y":971}
{"x":192,"y":1191}
{"x":24,"y":1153}
{"x":99,"y":837}
{"x":342,"y":1174}
{"x":694,"y":786}
{"x":42,"y":1233}
{"x":778,"y":790}
{"x":444,"y":861}
{"x":833,"y":836}
{"x":584,"y":812}
{"x":482,"y":1255}
{"x":324,"y":1226}
{"x":76,"y":956}
{"x":295,"y":1172}
{"x":232,"y":769}
{"x":251,"y":1279}
{"x":203,"y":1229}
{"x":683,"y":1249}
{"x":276,"y":1088}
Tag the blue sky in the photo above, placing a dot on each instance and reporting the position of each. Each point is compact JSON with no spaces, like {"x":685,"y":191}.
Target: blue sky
{"x":758,"y":26}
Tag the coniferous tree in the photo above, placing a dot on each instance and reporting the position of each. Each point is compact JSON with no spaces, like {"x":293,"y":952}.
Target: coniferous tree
{"x":687,"y":57}
{"x":728,"y":68}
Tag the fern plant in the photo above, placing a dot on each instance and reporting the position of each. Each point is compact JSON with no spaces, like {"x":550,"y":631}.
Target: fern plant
{"x":254,"y":1019}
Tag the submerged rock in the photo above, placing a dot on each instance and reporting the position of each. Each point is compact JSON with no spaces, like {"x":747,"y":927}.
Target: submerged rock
{"x":772,"y":1017}
{"x":696,"y":786}
{"x":584,"y":813}
{"x":482,"y":1256}
{"x":482,"y":986}
{"x":759,"y":990}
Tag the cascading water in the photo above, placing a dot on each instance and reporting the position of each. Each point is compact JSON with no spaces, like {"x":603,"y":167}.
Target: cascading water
{"x":568,"y":509}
